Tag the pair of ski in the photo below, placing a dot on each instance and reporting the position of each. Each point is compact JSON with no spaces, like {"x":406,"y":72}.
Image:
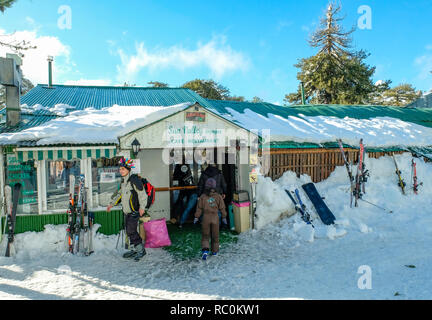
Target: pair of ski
{"x":402,"y":183}
{"x":80,"y":220}
{"x":300,"y":206}
{"x":321,"y":208}
{"x":357,"y":183}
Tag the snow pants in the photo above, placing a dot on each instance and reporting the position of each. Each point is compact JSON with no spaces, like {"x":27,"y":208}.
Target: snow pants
{"x":131,"y":229}
{"x":210,"y":229}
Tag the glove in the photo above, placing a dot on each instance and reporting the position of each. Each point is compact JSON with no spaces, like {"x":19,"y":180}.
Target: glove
{"x":195,"y":220}
{"x":146,"y":214}
{"x":224,"y":221}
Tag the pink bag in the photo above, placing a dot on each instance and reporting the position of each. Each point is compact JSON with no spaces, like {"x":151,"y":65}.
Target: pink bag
{"x":156,"y":234}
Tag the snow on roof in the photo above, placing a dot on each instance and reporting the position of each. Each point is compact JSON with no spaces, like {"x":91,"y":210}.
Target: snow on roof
{"x":58,"y":110}
{"x":106,"y":125}
{"x":376,"y":132}
{"x":91,"y":125}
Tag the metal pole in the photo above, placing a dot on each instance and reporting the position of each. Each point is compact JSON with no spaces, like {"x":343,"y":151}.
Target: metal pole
{"x":50,"y":60}
{"x":303,"y":93}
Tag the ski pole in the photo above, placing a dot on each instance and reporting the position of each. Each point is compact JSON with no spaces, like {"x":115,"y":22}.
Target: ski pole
{"x":118,"y":238}
{"x":389,"y":211}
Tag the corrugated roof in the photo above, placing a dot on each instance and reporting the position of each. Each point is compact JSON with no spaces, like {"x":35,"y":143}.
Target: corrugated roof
{"x":28,"y":120}
{"x":419,"y":116}
{"x":98,"y":97}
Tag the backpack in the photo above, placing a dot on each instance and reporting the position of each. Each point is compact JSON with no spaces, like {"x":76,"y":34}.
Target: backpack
{"x":141,"y":183}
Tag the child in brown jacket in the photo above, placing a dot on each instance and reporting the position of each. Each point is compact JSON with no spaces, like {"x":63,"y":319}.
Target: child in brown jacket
{"x":209,"y":204}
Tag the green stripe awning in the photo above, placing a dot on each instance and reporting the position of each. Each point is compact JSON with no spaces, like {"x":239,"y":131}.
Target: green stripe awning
{"x":66,"y":153}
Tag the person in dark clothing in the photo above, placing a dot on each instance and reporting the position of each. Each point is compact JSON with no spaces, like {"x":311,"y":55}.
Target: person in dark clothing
{"x":212,"y":172}
{"x":187,"y":199}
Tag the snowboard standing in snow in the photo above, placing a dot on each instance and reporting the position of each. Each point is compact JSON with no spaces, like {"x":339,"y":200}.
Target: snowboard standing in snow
{"x":11,"y":220}
{"x":300,"y":207}
{"x":401,"y":182}
{"x":323,"y":211}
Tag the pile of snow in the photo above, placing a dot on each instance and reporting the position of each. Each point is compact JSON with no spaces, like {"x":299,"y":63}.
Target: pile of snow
{"x":382,"y":192}
{"x":91,"y":125}
{"x":376,"y":132}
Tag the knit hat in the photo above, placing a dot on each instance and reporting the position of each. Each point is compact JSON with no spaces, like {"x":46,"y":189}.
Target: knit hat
{"x":126,"y":163}
{"x":210,"y":183}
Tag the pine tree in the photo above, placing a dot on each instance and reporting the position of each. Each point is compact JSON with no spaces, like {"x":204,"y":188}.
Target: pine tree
{"x":6,"y":4}
{"x":335,"y":75}
{"x":401,"y":95}
{"x":330,"y":38}
{"x":157,"y":84}
{"x":208,"y":89}
{"x":257,"y":100}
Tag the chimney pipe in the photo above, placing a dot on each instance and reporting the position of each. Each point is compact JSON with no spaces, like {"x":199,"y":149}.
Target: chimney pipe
{"x":303,"y":93}
{"x":50,"y":60}
{"x":11,"y":77}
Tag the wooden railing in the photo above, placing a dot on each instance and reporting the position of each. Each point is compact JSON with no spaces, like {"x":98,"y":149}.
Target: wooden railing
{"x":317,"y":163}
{"x":175,"y":188}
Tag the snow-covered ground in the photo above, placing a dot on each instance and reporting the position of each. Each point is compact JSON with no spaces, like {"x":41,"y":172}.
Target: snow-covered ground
{"x":283,"y":259}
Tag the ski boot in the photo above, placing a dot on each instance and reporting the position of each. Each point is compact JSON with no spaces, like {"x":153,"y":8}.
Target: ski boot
{"x":140,"y":252}
{"x":205,"y":254}
{"x":130,"y":254}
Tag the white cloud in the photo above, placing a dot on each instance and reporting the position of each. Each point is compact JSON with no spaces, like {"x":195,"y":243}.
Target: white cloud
{"x":30,"y":21}
{"x":429,"y":47}
{"x":424,"y":63}
{"x":284,"y":24}
{"x":216,"y":55}
{"x":89,"y":82}
{"x":35,"y":65}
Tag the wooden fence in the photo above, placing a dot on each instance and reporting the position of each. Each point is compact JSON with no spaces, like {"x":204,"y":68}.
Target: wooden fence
{"x":317,"y":163}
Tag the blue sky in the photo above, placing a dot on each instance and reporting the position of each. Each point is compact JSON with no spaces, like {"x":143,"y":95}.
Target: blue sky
{"x":248,"y":46}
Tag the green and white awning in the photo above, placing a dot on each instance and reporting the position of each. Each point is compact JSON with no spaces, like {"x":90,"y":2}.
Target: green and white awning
{"x":66,"y":153}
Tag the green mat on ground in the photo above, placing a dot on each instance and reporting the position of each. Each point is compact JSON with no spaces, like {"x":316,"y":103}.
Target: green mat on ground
{"x":186,"y":242}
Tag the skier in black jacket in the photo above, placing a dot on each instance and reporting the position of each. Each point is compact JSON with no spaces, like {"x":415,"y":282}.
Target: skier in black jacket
{"x":212,"y":172}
